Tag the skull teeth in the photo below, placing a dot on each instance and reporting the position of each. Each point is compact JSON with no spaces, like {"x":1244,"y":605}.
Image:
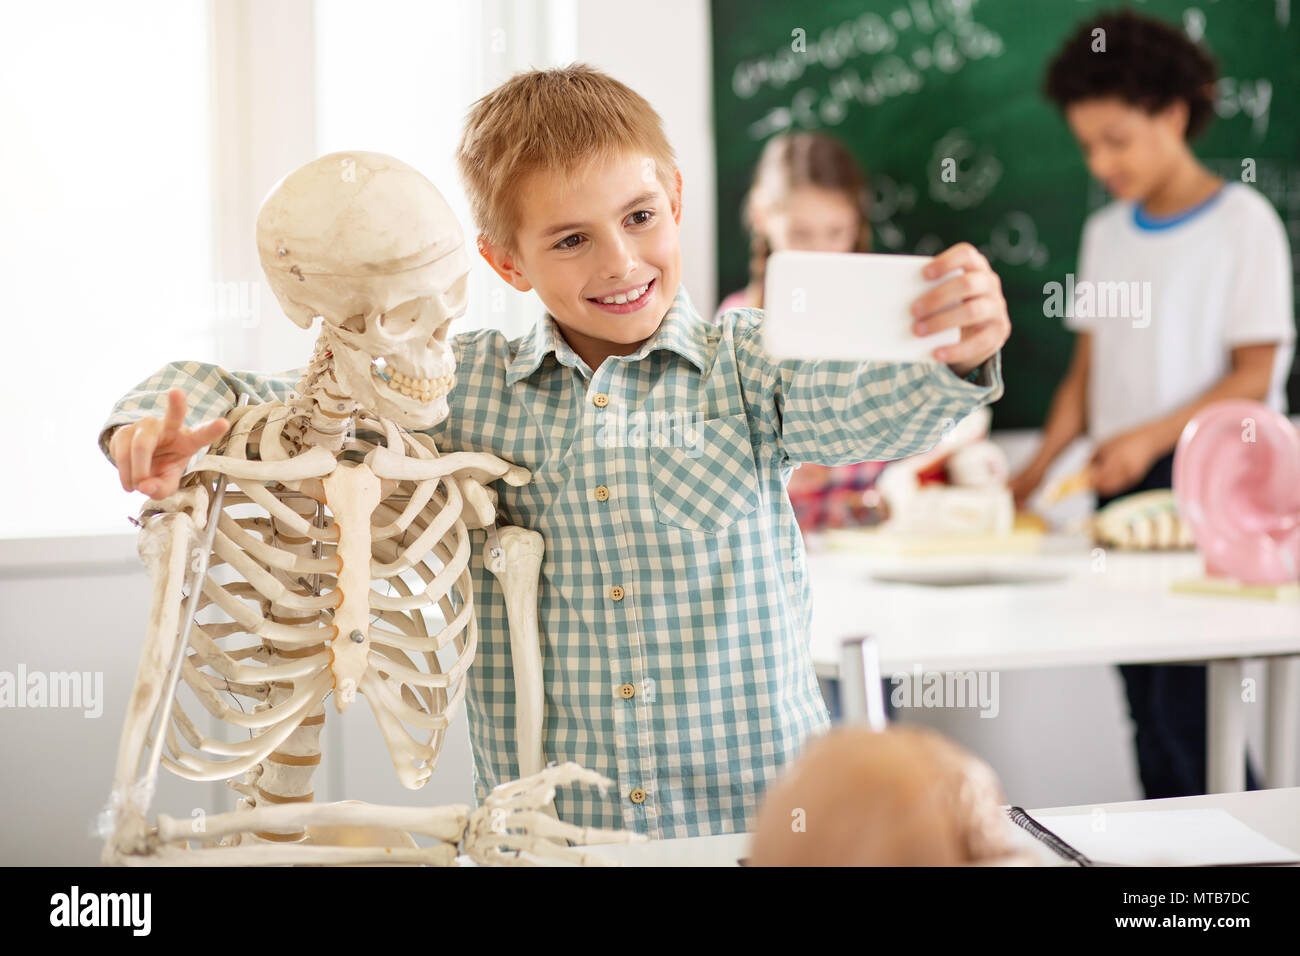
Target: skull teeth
{"x":421,"y":389}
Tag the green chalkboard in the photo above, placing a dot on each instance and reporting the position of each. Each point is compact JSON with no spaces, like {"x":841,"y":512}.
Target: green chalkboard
{"x":907,"y":83}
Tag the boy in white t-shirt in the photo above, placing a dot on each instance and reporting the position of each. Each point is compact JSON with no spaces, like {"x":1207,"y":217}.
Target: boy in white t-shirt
{"x":1183,"y":298}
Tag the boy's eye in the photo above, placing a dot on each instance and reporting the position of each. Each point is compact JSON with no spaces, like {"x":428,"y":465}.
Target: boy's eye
{"x":569,"y":242}
{"x":641,"y":217}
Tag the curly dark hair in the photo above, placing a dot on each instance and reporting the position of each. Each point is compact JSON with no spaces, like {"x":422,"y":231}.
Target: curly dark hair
{"x":1146,"y":62}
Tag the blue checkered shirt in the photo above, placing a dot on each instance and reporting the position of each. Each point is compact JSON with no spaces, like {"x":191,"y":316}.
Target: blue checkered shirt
{"x":674,"y":604}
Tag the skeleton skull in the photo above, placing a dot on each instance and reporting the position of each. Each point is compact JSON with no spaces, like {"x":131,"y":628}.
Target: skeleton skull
{"x":904,"y":797}
{"x":368,"y":244}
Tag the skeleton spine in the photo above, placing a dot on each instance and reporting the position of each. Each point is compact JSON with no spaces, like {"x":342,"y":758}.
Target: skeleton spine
{"x":286,"y":774}
{"x":321,"y":410}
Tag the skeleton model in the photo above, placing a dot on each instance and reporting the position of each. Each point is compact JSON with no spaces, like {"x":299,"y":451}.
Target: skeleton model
{"x":332,"y":549}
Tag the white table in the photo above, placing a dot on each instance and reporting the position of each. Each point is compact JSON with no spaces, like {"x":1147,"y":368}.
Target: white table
{"x":1116,"y":609}
{"x":1274,"y":813}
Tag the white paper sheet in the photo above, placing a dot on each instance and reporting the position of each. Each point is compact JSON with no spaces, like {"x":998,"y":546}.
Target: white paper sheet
{"x":1166,"y":838}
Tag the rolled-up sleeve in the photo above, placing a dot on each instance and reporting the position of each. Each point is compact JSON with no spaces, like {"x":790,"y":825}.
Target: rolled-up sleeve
{"x":831,"y":412}
{"x":212,"y":391}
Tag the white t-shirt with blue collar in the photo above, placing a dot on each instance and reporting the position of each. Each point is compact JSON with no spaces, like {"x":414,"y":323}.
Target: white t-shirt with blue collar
{"x":1166,"y":300}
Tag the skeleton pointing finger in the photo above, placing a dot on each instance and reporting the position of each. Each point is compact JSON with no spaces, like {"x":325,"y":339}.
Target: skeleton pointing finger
{"x":324,"y":542}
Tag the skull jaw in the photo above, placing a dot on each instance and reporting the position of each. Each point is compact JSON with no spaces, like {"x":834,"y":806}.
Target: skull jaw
{"x":372,"y":393}
{"x":352,"y":371}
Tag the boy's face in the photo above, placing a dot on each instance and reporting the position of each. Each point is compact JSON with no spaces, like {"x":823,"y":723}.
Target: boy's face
{"x":1128,"y":150}
{"x":608,"y":232}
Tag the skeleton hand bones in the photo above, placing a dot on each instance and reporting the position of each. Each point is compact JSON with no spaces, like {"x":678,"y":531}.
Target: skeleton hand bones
{"x":517,"y":803}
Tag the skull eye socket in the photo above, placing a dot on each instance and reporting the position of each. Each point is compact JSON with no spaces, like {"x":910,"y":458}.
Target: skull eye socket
{"x":457,"y":293}
{"x":401,"y":318}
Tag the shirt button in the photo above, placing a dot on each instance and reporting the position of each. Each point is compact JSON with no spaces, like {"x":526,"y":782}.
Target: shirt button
{"x":600,"y":399}
{"x":627,"y":690}
{"x":602,"y":493}
{"x":637,"y":795}
{"x":616,"y":593}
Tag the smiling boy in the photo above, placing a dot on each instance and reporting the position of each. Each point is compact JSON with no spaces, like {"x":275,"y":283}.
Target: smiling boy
{"x":674,"y":603}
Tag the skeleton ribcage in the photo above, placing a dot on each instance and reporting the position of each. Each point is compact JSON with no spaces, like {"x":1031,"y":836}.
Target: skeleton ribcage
{"x":266,"y":649}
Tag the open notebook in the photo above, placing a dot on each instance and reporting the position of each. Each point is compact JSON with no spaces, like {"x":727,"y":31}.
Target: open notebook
{"x":1209,"y":837}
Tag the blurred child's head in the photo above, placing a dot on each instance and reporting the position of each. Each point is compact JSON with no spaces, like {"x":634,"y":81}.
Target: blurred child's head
{"x":1135,"y":91}
{"x":808,"y":193}
{"x":577,"y":195}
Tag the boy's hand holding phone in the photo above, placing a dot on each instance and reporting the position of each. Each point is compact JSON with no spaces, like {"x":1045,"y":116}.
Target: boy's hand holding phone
{"x":151,"y":454}
{"x":860,"y":306}
{"x":971,"y":301}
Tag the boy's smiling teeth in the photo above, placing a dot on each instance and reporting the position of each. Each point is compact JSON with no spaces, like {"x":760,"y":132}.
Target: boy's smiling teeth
{"x":631,"y":295}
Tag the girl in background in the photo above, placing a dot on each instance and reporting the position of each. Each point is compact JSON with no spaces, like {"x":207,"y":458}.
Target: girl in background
{"x":810,"y":194}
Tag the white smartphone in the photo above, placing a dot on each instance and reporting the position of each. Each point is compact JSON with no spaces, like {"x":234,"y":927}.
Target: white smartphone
{"x":847,"y":305}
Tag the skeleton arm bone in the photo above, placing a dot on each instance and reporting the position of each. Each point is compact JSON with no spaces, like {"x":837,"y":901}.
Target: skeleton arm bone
{"x":517,"y":565}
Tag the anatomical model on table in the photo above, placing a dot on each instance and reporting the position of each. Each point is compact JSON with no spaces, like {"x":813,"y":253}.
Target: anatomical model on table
{"x":1235,"y":497}
{"x":327,"y":550}
{"x":958,"y":487}
{"x":905,"y":796}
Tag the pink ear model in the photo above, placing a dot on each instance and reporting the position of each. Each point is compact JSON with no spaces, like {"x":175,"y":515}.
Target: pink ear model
{"x":1237,"y":483}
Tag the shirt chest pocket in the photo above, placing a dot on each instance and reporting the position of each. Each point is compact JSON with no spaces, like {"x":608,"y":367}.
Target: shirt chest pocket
{"x":708,"y":485}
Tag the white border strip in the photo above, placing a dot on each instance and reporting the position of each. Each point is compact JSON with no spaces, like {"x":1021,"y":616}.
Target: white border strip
{"x":69,"y":556}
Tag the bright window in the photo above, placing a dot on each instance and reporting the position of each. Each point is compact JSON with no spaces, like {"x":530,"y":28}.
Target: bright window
{"x":108,"y":189}
{"x":106,"y":246}
{"x":398,"y":77}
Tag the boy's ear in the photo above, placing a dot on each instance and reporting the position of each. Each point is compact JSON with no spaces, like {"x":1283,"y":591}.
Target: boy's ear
{"x":677,"y":200}
{"x":502,"y":261}
{"x":1175,"y":116}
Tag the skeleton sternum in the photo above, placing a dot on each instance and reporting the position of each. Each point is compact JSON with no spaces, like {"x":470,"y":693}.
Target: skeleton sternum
{"x":352,"y":492}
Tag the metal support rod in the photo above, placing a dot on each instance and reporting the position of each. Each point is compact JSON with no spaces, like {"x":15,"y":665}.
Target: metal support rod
{"x":1280,"y":728}
{"x":1225,"y":759}
{"x":861,"y":697}
{"x":187,"y":626}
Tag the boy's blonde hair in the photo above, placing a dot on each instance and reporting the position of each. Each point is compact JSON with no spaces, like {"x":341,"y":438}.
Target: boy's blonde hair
{"x":558,"y":120}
